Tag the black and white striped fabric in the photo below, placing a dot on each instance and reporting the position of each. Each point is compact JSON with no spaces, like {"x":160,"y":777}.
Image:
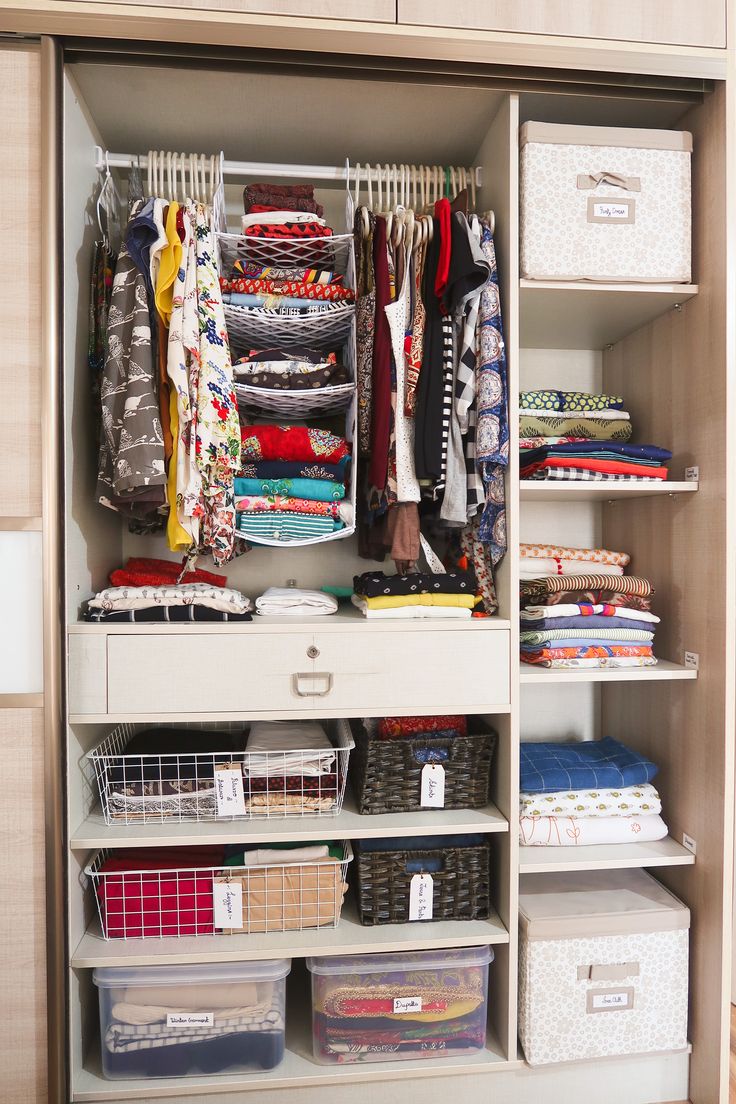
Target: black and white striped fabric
{"x":592,"y":476}
{"x":465,"y":381}
{"x":448,"y":368}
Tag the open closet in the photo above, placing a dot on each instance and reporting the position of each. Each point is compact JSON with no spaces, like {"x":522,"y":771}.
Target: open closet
{"x":661,"y":346}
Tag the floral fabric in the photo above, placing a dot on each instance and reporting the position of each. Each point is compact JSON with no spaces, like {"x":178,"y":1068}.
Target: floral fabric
{"x":272,"y":442}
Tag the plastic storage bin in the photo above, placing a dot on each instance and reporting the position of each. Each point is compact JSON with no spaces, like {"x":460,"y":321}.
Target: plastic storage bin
{"x":176,"y":1021}
{"x":389,"y":1007}
{"x":605,"y":203}
{"x":603,"y":965}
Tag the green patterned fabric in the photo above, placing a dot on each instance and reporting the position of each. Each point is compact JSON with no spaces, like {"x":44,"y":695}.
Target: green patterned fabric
{"x":592,"y":429}
{"x":568,"y":400}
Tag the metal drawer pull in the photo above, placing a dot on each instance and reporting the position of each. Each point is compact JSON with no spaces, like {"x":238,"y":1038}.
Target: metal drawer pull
{"x":296,"y":679}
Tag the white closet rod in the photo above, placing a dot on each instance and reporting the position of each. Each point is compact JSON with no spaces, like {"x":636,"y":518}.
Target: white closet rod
{"x":260,"y":168}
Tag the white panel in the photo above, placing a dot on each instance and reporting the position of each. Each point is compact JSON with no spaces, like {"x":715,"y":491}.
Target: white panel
{"x":21,"y":641}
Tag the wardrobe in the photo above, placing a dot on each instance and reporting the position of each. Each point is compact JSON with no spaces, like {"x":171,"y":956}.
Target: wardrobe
{"x":668,"y":348}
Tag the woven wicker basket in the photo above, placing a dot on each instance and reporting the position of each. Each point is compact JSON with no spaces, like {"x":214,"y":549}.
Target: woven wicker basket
{"x":461,"y":887}
{"x":386,"y":775}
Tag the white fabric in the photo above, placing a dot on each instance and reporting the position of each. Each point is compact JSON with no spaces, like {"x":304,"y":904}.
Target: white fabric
{"x":397,"y":312}
{"x":276,"y":218}
{"x":287,"y":747}
{"x":604,"y":415}
{"x":181,"y":594}
{"x":412,"y":613}
{"x":564,"y":831}
{"x":537,"y":568}
{"x":628,"y":801}
{"x":288,"y":601}
{"x":538,"y":613}
{"x":270,"y":856}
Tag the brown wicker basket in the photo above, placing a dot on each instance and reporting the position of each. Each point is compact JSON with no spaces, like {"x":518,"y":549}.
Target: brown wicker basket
{"x":461,"y":887}
{"x":386,"y":775}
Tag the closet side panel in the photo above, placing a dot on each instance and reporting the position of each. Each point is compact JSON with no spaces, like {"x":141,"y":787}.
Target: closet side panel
{"x":675,"y":372}
{"x":23,"y":907}
{"x":20,"y":382}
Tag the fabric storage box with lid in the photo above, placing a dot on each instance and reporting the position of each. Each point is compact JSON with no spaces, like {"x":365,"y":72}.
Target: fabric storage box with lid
{"x":388,"y":1007}
{"x":177,"y":1021}
{"x":603,"y":966}
{"x":393,"y":772}
{"x":423,"y":878}
{"x":605,"y":204}
{"x":221,"y":771}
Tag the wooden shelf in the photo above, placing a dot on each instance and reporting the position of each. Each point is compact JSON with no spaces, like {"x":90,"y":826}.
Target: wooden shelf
{"x":613,"y":856}
{"x":347,"y":617}
{"x":662,"y":671}
{"x":298,"y":1069}
{"x":562,"y":315}
{"x":572,"y":490}
{"x":349,"y":937}
{"x":350,"y":824}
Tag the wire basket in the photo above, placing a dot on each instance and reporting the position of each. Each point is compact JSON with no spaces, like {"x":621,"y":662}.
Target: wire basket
{"x":187,"y":900}
{"x":185,"y":787}
{"x":325,"y":325}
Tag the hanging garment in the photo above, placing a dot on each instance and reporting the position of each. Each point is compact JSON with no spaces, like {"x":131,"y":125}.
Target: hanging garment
{"x":428,"y":444}
{"x":131,"y":470}
{"x":419,"y":317}
{"x":492,"y":436}
{"x":403,"y":483}
{"x":365,"y":322}
{"x":381,"y":373}
{"x":104,"y":262}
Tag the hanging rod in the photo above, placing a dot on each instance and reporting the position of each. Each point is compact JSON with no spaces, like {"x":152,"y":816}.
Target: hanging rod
{"x":340,"y":173}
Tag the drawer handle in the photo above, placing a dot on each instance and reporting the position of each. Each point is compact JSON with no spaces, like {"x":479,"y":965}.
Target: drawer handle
{"x":297,"y":678}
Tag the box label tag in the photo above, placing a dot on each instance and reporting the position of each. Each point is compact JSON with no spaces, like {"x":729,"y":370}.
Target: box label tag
{"x":229,"y":790}
{"x":611,"y":210}
{"x":421,"y":897}
{"x":610,"y":1000}
{"x":190,"y":1019}
{"x":433,"y":786}
{"x":228,"y":899}
{"x":407,"y":1004}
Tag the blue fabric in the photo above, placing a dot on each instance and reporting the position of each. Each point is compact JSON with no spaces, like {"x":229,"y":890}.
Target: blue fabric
{"x":419,"y":843}
{"x":612,"y":449}
{"x":492,"y":425}
{"x":596,"y":620}
{"x":582,"y":641}
{"x":315,"y":490}
{"x":594,"y":764}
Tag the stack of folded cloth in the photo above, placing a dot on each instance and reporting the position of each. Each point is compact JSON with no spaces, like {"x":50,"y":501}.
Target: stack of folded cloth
{"x":291,"y":485}
{"x":578,"y":609}
{"x":293,"y":602}
{"x":283,"y":211}
{"x":575,"y":435}
{"x":290,"y":769}
{"x":433,"y":732}
{"x":161,"y":591}
{"x":297,"y":290}
{"x":295,"y":369}
{"x":445,"y":595}
{"x":578,"y":794}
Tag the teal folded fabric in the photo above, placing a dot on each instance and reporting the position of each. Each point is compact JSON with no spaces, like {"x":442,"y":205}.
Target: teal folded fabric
{"x":274,"y":525}
{"x":315,"y":490}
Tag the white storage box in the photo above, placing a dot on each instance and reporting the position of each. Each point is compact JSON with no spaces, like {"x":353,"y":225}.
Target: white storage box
{"x":385,"y":1007}
{"x":175,"y":1021}
{"x":603,"y":966}
{"x":605,"y":204}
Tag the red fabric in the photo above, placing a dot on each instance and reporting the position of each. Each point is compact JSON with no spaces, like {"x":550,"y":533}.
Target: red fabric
{"x":330,"y":293}
{"x":288,"y":230}
{"x":272,"y":442}
{"x":377,"y":1007}
{"x":442,"y":213}
{"x":142,"y":571}
{"x":381,"y":368}
{"x":142,"y":896}
{"x":615,"y":467}
{"x":392,"y":728}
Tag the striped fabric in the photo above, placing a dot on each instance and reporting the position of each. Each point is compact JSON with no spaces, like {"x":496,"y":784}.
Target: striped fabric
{"x":285,"y":527}
{"x":448,"y":367}
{"x":555,"y":584}
{"x":465,"y":381}
{"x":584,"y":475}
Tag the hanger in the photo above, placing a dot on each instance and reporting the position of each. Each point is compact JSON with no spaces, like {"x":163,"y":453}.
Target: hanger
{"x":108,"y":203}
{"x":472,"y":189}
{"x":490,"y":218}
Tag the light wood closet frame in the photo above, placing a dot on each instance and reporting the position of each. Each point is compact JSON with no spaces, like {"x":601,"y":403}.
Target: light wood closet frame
{"x":675,"y":373}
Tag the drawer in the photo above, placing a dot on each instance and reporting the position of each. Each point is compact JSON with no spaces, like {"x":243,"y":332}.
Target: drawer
{"x":679,"y":22}
{"x":368,"y":11}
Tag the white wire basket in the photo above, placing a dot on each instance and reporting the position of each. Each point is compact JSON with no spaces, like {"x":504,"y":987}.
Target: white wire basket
{"x":294,"y":404}
{"x":188,"y":900}
{"x":326,"y":325}
{"x":157,"y":789}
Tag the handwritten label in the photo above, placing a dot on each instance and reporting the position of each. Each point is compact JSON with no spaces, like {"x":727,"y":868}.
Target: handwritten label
{"x":692,"y":660}
{"x":692,"y":475}
{"x":610,"y":1000}
{"x":190,"y":1019}
{"x":611,"y":210}
{"x":229,"y":790}
{"x":407,"y":1004}
{"x":421,"y":897}
{"x":433,"y":786}
{"x":228,"y":897}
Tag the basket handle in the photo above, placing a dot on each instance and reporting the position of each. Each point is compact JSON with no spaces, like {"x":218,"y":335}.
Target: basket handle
{"x":415,"y":746}
{"x":296,"y":680}
{"x":416,"y":864}
{"x":588,"y":181}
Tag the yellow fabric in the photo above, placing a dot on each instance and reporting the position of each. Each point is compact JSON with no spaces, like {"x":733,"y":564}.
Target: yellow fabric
{"x":178,"y":538}
{"x":453,"y":1010}
{"x":464,"y":601}
{"x":168,"y":267}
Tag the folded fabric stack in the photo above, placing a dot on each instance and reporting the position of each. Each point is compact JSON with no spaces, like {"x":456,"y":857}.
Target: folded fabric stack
{"x":293,"y":602}
{"x":434,"y":732}
{"x":447,"y":595}
{"x":283,"y":211}
{"x":580,"y":794}
{"x":292,"y":481}
{"x":290,"y":769}
{"x":293,"y":369}
{"x":169,"y":601}
{"x":293,"y":289}
{"x":576,"y":435}
{"x":578,"y":609}
{"x":169,"y":772}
